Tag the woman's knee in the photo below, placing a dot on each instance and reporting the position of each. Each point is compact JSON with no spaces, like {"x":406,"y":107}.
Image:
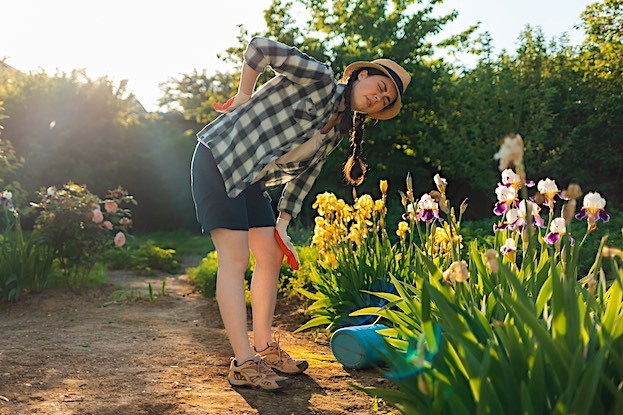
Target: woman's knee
{"x":233,"y":260}
{"x":264,"y":246}
{"x":232,"y":249}
{"x":269,"y":255}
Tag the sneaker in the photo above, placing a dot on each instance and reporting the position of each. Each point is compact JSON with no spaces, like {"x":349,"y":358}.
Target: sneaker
{"x":280,"y":360}
{"x":255,"y":373}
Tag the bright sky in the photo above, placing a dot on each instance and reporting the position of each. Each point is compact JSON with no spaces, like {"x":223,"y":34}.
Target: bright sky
{"x":148,"y":41}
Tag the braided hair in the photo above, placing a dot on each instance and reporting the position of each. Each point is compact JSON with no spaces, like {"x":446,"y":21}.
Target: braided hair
{"x":352,"y":123}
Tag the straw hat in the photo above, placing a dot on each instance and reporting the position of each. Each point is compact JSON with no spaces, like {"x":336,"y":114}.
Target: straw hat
{"x":395,"y":72}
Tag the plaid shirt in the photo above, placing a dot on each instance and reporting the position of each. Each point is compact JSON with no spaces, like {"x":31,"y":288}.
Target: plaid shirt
{"x":283,"y":113}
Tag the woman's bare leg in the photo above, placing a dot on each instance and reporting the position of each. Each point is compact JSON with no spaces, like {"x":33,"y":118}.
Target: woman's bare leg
{"x":268,"y":259}
{"x":232,"y":248}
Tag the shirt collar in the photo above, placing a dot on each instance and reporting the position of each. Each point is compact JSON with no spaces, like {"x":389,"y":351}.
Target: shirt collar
{"x":337,"y":97}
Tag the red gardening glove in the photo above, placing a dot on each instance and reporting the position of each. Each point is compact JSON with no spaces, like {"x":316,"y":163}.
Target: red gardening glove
{"x":232,"y":103}
{"x":286,"y":246}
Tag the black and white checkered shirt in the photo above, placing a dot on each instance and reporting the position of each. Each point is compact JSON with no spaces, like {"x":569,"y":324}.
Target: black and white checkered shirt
{"x":283,"y":113}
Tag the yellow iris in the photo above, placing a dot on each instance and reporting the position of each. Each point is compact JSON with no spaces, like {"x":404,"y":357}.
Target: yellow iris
{"x":403,"y":228}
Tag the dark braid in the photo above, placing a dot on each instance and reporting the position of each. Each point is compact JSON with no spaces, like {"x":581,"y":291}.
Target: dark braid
{"x":355,"y":168}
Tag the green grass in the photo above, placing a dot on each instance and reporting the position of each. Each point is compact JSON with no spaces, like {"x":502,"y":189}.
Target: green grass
{"x":183,"y":241}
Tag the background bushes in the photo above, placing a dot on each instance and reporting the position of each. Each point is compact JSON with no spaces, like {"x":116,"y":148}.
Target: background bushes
{"x":564,"y":100}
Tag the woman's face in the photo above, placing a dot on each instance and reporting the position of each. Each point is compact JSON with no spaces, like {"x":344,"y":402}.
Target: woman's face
{"x":372,"y":93}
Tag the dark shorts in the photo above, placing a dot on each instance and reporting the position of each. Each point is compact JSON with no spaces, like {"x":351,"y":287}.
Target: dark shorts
{"x":250,"y":209}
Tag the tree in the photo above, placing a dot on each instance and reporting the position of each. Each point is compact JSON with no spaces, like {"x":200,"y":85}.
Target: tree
{"x":598,"y":138}
{"x":603,"y":46}
{"x":93,"y":132}
{"x":193,"y":94}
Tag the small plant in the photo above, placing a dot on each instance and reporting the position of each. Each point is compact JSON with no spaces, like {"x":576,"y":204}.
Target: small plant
{"x":123,"y":295}
{"x":163,"y":291}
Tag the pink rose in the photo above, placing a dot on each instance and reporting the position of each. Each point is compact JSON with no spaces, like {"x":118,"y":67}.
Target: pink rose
{"x":111,"y":207}
{"x":107,"y":225}
{"x":98,"y":216}
{"x":120,"y":239}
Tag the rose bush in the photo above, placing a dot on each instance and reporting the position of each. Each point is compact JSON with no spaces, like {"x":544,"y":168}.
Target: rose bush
{"x":72,"y":223}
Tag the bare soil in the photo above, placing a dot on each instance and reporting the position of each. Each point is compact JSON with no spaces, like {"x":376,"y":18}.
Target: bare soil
{"x":88,"y":352}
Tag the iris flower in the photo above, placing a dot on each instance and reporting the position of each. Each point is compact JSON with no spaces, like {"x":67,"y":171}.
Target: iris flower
{"x":517,"y":219}
{"x":549,"y":189}
{"x":403,"y":228}
{"x":593,"y":209}
{"x":441,"y":184}
{"x":506,"y":196}
{"x":557,"y":229}
{"x":509,"y":249}
{"x":6,"y":199}
{"x":457,"y":272}
{"x":510,"y":178}
{"x":428,"y":209}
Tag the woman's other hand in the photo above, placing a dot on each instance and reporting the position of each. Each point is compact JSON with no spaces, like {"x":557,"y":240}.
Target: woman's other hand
{"x":232,"y":103}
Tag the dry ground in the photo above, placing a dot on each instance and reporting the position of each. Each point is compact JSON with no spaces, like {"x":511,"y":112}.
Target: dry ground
{"x":83,"y":353}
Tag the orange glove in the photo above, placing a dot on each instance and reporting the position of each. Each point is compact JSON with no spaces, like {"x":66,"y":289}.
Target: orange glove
{"x":232,"y":103}
{"x":286,"y":246}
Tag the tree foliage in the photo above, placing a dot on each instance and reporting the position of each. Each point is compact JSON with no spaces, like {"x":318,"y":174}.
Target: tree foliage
{"x":564,"y":100}
{"x":193,"y":94}
{"x":67,"y":127}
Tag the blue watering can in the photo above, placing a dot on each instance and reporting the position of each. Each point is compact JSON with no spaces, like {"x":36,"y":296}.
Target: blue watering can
{"x":357,"y":347}
{"x":360,"y":347}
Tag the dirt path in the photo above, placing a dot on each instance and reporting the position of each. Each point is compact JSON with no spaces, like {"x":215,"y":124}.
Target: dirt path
{"x":65,"y":353}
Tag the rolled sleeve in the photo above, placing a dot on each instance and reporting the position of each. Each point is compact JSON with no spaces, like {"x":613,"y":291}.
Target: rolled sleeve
{"x":285,"y":60}
{"x":295,"y":191}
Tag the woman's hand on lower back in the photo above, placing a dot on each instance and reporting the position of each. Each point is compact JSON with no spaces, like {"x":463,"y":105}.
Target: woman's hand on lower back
{"x":232,"y":103}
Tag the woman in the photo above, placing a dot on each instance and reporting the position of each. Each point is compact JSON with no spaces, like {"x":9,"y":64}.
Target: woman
{"x":279,"y":134}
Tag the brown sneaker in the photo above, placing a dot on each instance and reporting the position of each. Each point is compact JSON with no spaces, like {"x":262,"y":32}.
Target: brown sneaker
{"x":255,"y":373}
{"x":280,"y":360}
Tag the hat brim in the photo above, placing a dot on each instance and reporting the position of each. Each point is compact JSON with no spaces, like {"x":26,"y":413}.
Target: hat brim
{"x":387,"y":112}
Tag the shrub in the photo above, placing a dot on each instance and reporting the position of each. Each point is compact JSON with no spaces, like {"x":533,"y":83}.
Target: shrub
{"x":73,"y":225}
{"x":291,"y":282}
{"x":203,"y":276}
{"x":147,"y":257}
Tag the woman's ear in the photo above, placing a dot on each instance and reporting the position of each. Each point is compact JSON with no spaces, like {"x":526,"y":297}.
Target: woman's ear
{"x":363,"y":74}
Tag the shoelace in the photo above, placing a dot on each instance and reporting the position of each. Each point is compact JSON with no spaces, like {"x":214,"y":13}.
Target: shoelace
{"x":264,"y":368}
{"x":282,"y":353}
